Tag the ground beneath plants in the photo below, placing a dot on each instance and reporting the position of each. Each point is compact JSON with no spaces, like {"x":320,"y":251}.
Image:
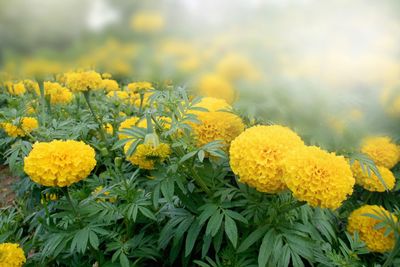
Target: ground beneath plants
{"x":7,"y":194}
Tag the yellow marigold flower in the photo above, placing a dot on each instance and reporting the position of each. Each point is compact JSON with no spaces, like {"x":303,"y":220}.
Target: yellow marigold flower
{"x":149,"y":153}
{"x":381,"y":150}
{"x":57,"y":93}
{"x":216,"y":125}
{"x":127,"y":124}
{"x":49,"y":197}
{"x":373,"y":183}
{"x":32,"y":86}
{"x":110,"y":85}
{"x":59,"y":163}
{"x":109,"y":128}
{"x":235,"y":66}
{"x":25,"y":125}
{"x":213,"y":85}
{"x":375,"y":240}
{"x":97,"y":191}
{"x":257,"y":155}
{"x":135,"y":87}
{"x":11,"y":255}
{"x":83,"y":81}
{"x":147,"y":22}
{"x":17,"y":88}
{"x":106,"y":75}
{"x":122,"y":95}
{"x":322,"y":179}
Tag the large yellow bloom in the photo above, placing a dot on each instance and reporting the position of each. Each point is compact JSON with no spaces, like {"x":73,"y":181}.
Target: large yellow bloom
{"x":83,"y":81}
{"x":147,"y":22}
{"x":215,"y":124}
{"x":17,"y":88}
{"x":149,"y":153}
{"x":11,"y":255}
{"x":322,"y":179}
{"x":214,"y":85}
{"x":59,"y":163}
{"x":26,"y":125}
{"x":257,"y":155}
{"x":375,"y":240}
{"x":57,"y":93}
{"x":382,"y":151}
{"x":373,"y":183}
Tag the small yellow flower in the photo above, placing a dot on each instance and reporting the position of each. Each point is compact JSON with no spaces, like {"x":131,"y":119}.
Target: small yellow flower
{"x":17,"y":89}
{"x":24,"y":126}
{"x":381,"y":150}
{"x":83,"y":81}
{"x":147,"y":22}
{"x":213,"y":85}
{"x":11,"y":255}
{"x":110,"y":85}
{"x":373,"y":183}
{"x":57,"y":93}
{"x":375,"y":239}
{"x":149,"y":153}
{"x":109,"y":129}
{"x":136,"y":87}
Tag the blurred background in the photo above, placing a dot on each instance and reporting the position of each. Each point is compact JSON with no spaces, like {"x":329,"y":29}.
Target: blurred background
{"x":329,"y":69}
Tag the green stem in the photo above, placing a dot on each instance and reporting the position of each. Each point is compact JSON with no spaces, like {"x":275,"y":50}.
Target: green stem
{"x":199,"y":181}
{"x":101,"y":130}
{"x":68,"y":197}
{"x":42,"y":104}
{"x":141,"y":102}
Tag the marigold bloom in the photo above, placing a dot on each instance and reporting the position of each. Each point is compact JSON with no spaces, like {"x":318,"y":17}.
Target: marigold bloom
{"x":59,"y":163}
{"x":213,"y":85}
{"x":147,"y":22}
{"x":322,"y":179}
{"x":57,"y":93}
{"x":17,"y":88}
{"x":373,"y":183}
{"x":257,"y":155}
{"x":32,"y":86}
{"x":149,"y":153}
{"x":11,"y":255}
{"x":122,"y":95}
{"x":110,"y":85}
{"x":135,"y":87}
{"x":97,"y":191}
{"x":381,"y":150}
{"x":375,"y":240}
{"x":26,"y":125}
{"x":109,"y":128}
{"x":216,"y":125}
{"x":83,"y":81}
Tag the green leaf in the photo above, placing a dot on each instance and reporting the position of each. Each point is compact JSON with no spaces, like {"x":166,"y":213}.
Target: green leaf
{"x":252,"y":238}
{"x":94,"y":240}
{"x":214,"y":224}
{"x":124,"y":261}
{"x":146,"y":212}
{"x":266,"y":248}
{"x":231,"y":230}
{"x":191,"y":237}
{"x":201,"y":155}
{"x":188,"y":156}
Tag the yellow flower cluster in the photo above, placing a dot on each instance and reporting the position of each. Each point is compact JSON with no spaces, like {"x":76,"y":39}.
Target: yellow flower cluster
{"x":121,"y":95}
{"x":322,"y":179}
{"x":109,"y":128}
{"x":257,"y":154}
{"x":57,"y":93}
{"x":110,"y":85}
{"x":373,"y":183}
{"x":59,"y":163}
{"x":98,"y":190}
{"x":381,"y":150}
{"x":215,"y":124}
{"x":135,"y":87}
{"x":149,"y":153}
{"x":147,"y":22}
{"x":25,"y":125}
{"x":32,"y":86}
{"x":214,"y":85}
{"x":16,"y":88}
{"x":375,"y":240}
{"x":11,"y":255}
{"x":129,"y":123}
{"x":83,"y":81}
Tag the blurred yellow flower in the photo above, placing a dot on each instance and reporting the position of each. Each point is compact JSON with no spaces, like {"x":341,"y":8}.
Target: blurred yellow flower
{"x":57,"y":93}
{"x":83,"y":81}
{"x":98,"y":190}
{"x":136,"y":87}
{"x":59,"y":163}
{"x":110,"y":85}
{"x":17,"y":88}
{"x":147,"y":21}
{"x":213,"y":85}
{"x":22,"y":127}
{"x":375,"y":239}
{"x":234,"y":66}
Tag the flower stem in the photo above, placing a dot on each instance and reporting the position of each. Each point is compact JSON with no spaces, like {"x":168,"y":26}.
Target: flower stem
{"x":68,"y":196}
{"x":101,"y":130}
